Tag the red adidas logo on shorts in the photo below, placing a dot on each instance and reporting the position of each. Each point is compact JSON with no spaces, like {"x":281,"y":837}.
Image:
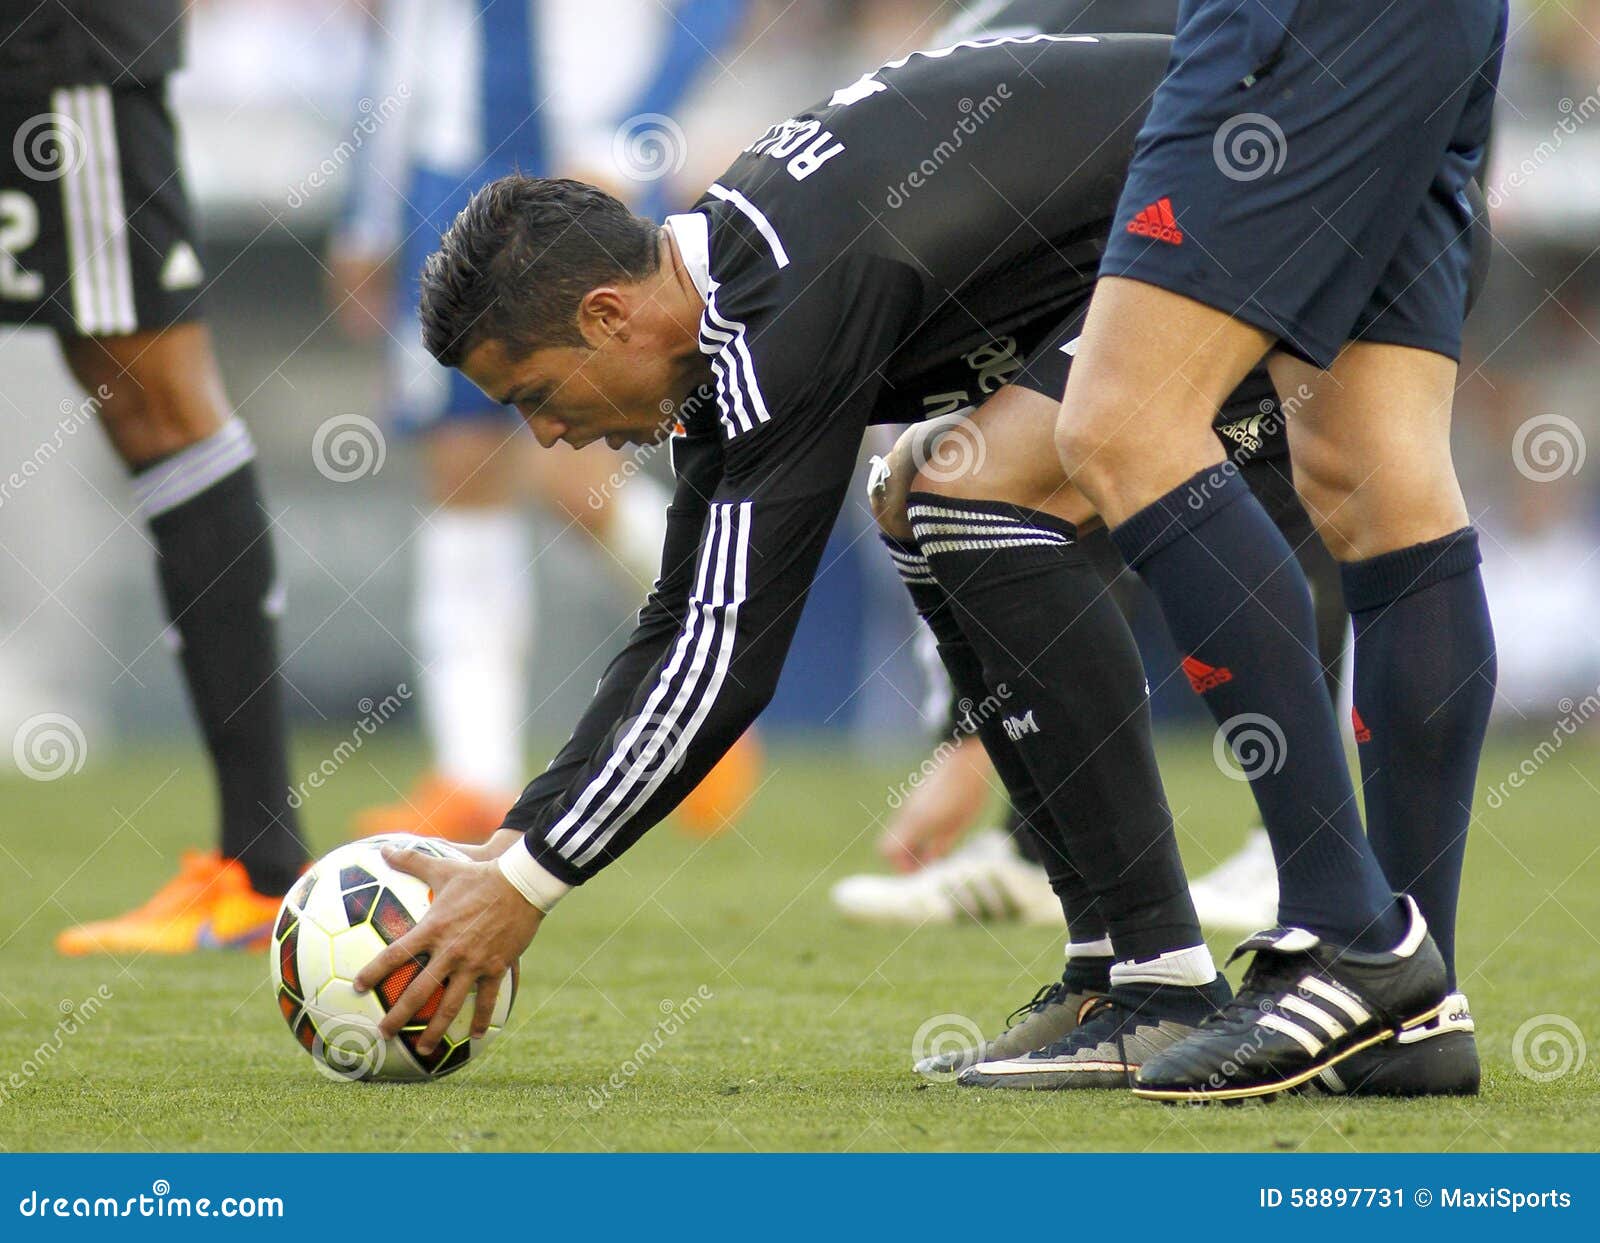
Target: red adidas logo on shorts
{"x":1203,"y":677}
{"x":1158,"y":222}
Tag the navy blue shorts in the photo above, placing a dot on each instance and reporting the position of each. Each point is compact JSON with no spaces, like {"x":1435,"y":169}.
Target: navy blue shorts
{"x":1304,"y":167}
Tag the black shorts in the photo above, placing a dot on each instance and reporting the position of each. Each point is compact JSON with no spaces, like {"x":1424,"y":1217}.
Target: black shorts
{"x":96,"y":235}
{"x":1250,"y":423}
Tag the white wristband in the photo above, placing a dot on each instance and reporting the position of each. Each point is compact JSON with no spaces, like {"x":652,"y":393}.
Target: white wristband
{"x":532,"y":881}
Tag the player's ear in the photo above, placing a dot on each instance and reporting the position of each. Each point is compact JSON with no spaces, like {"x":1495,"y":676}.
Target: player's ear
{"x":604,"y":313}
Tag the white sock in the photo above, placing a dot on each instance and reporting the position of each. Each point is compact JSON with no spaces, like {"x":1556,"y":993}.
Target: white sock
{"x":1192,"y":967}
{"x":1089,"y":949}
{"x":639,"y":526}
{"x":474,"y":621}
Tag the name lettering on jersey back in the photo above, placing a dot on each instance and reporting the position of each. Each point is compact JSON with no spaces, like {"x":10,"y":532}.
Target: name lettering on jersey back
{"x":995,"y":363}
{"x":802,"y":142}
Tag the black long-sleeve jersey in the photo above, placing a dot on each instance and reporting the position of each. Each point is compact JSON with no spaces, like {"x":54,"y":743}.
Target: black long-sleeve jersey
{"x":53,"y":43}
{"x":903,"y":244}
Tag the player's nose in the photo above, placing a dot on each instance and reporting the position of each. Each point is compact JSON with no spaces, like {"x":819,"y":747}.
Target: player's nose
{"x":546,"y":430}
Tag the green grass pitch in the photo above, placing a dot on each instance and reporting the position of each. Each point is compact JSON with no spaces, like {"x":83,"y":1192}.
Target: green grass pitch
{"x":801,"y":1033}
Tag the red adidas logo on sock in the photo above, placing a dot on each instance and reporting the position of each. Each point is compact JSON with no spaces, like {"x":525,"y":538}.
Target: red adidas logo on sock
{"x":1158,"y":222}
{"x":1203,"y":677}
{"x":1363,"y":734}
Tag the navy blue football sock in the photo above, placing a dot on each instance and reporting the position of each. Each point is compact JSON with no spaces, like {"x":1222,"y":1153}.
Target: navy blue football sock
{"x":1424,"y":684}
{"x":1068,"y":692}
{"x":1236,"y":602}
{"x":1088,"y":973}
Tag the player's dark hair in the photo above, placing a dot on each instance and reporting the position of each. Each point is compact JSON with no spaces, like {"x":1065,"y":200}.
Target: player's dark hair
{"x":517,"y":261}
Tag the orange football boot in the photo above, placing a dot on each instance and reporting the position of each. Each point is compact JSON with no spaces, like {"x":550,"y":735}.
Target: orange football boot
{"x":209,"y":904}
{"x":713,"y":805}
{"x":438,"y":807}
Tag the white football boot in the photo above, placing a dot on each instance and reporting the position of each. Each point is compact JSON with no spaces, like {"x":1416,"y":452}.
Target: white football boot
{"x":1240,"y":894}
{"x":985,"y":880}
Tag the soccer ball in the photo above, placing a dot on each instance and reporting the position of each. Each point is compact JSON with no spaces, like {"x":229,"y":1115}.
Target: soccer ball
{"x":334,"y":921}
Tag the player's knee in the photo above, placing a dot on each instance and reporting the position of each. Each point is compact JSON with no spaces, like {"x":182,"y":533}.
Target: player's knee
{"x":890,"y":484}
{"x":951,"y":456}
{"x":1089,"y":443}
{"x":1329,"y":492}
{"x":153,"y":420}
{"x":153,"y":394}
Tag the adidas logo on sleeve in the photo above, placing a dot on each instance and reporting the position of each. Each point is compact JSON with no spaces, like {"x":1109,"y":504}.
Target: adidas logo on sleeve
{"x":1158,"y":222}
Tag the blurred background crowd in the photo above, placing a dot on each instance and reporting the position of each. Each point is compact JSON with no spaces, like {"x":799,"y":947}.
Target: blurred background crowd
{"x":278,"y":101}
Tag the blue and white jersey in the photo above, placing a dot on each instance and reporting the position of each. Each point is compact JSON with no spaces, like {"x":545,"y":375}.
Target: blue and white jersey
{"x":459,"y":92}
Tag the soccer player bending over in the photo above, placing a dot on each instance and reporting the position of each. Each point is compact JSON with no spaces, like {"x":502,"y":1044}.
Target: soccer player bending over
{"x":893,"y":250}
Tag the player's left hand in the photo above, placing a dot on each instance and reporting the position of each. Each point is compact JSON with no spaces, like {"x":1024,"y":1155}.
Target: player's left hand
{"x":473,"y":933}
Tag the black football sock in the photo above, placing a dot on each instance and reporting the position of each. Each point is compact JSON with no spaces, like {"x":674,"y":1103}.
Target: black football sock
{"x":1189,"y":1005}
{"x":1030,"y":823}
{"x":1424,"y":685}
{"x":215,"y":564}
{"x":1089,"y":965}
{"x":1236,"y":602}
{"x":1070,"y":696}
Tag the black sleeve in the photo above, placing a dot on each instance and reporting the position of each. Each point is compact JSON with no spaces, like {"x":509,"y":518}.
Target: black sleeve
{"x":697,"y":469}
{"x":705,"y":658}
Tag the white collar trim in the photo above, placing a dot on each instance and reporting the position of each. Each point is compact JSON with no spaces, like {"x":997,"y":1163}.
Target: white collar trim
{"x":692,"y":232}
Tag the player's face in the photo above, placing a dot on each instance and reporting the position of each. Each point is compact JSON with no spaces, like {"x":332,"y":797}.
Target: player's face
{"x":616,"y":392}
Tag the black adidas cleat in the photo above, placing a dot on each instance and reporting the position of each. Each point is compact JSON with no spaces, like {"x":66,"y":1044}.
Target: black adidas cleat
{"x":1118,"y":1032}
{"x":1436,"y":1058}
{"x":1054,"y":1012}
{"x":1305,"y":1006}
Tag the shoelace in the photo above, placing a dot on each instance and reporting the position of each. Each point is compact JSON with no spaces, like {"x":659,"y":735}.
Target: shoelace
{"x":1047,"y":995}
{"x":1270,"y":976}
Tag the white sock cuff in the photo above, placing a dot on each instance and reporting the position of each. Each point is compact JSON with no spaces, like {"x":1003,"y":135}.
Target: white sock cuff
{"x":1191,"y":967}
{"x":189,"y":472}
{"x":1089,"y":949}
